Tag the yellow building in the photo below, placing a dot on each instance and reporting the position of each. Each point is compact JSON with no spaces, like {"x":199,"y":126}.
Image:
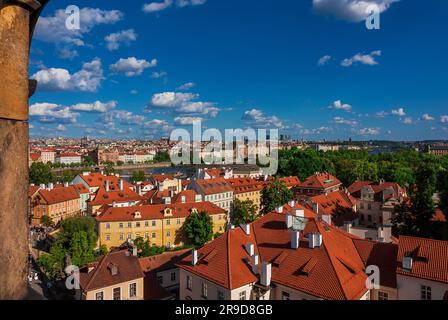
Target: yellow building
{"x":247,"y":189}
{"x":159,"y":224}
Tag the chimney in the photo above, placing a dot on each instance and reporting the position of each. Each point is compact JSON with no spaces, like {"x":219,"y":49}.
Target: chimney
{"x":347,"y":226}
{"x":65,"y":184}
{"x":183,"y":199}
{"x":288,"y":221}
{"x":50,"y":186}
{"x":121,"y":184}
{"x":134,"y":251}
{"x":246,"y":228}
{"x":314,"y":240}
{"x":194,"y":257}
{"x":327,"y":218}
{"x":291,"y":203}
{"x":255,"y":261}
{"x":107,"y":185}
{"x":407,"y":262}
{"x":266,"y":271}
{"x":279,"y":209}
{"x":250,"y":249}
{"x":315,"y":207}
{"x":295,"y":239}
{"x":300,"y":213}
{"x":42,"y":185}
{"x":167,"y":200}
{"x":384,"y":233}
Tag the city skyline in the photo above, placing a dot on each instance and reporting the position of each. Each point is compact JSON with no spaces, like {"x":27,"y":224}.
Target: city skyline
{"x":310,"y":69}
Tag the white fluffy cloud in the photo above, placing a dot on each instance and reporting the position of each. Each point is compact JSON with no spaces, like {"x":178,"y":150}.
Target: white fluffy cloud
{"x":51,"y":112}
{"x":159,"y":6}
{"x":182,"y":121}
{"x":122,"y":116}
{"x":316,"y":131}
{"x":187,"y":86}
{"x":340,"y":120}
{"x":61,"y":128}
{"x":367,"y":59}
{"x":52,"y":28}
{"x":408,"y":120}
{"x":132,"y":66}
{"x":182,"y":103}
{"x":96,"y":106}
{"x":369,"y":131}
{"x":350,"y":10}
{"x":427,"y":117}
{"x":87,"y":79}
{"x":338,"y":105}
{"x":115,"y":40}
{"x":324,"y":60}
{"x":398,"y":112}
{"x":257,"y":119}
{"x":444,"y":119}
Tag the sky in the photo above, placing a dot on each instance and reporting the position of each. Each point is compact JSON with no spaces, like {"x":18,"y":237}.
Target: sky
{"x":310,"y":68}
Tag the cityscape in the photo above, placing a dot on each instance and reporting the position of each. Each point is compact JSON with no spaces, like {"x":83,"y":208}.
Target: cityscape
{"x":203,"y":150}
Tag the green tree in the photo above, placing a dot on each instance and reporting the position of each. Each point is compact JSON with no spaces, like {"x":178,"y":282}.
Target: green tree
{"x":46,"y":221}
{"x":162,"y":157}
{"x":198,"y":228}
{"x":138,"y":176}
{"x":81,"y":250}
{"x":442,"y":185}
{"x":109,"y":168}
{"x":274,"y":194}
{"x":40,"y":173}
{"x":68,"y":175}
{"x":143,"y":247}
{"x":243,"y":212}
{"x":88,"y":161}
{"x":101,"y":251}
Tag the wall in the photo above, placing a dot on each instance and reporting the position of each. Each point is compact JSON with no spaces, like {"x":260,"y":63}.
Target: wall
{"x":409,"y":288}
{"x":108,"y":291}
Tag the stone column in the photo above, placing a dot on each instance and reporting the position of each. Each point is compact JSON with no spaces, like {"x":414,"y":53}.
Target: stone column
{"x":14,"y":55}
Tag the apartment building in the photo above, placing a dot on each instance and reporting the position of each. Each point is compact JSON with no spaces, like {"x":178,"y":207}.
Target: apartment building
{"x":57,"y":203}
{"x":166,"y":182}
{"x":319,"y":183}
{"x":247,"y":189}
{"x":95,"y":180}
{"x":218,"y":191}
{"x":115,"y":276}
{"x":339,"y":206}
{"x":68,"y":158}
{"x":48,"y":155}
{"x":376,"y":201}
{"x":159,"y":224}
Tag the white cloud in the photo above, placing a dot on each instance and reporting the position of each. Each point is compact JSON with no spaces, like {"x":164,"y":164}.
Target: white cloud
{"x":182,"y":121}
{"x":182,"y":103}
{"x":158,"y":75}
{"x":381,"y":114}
{"x":51,"y":112}
{"x":369,"y":131}
{"x":61,"y":127}
{"x":258,"y":119}
{"x":408,"y":120}
{"x":187,"y":86}
{"x":52,"y":28}
{"x":427,"y":117}
{"x":96,"y":106}
{"x":132,"y":66}
{"x":338,"y":105}
{"x":350,"y":10}
{"x":316,"y":131}
{"x":159,"y":6}
{"x":340,"y":120}
{"x":399,"y":112}
{"x":87,"y":79}
{"x":134,"y":92}
{"x":122,"y":116}
{"x":367,"y":59}
{"x":67,"y":53}
{"x":324,"y":60}
{"x":115,"y":40}
{"x":444,"y":119}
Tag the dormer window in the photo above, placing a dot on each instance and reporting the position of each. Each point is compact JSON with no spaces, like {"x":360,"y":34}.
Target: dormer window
{"x":168,"y":212}
{"x":137,"y":215}
{"x":194,"y":210}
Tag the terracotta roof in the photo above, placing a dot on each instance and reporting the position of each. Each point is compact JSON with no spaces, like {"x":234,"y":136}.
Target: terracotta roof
{"x":377,"y":187}
{"x":333,"y":271}
{"x":101,"y":276}
{"x":288,"y":181}
{"x":243,"y":185}
{"x":161,"y":177}
{"x":329,"y":202}
{"x":81,"y":188}
{"x":34,"y":156}
{"x":32,"y":190}
{"x":430,"y":258}
{"x":96,"y":179}
{"x":149,"y":212}
{"x":439,"y":216}
{"x":213,"y":186}
{"x":102,"y":197}
{"x":58,"y":195}
{"x":215,"y":173}
{"x":164,"y":261}
{"x":320,"y":181}
{"x":156,"y":197}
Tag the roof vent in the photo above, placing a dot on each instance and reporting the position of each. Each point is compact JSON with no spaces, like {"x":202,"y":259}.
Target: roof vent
{"x":246,"y":228}
{"x":314,"y":240}
{"x":295,"y":239}
{"x":113,"y":269}
{"x":250,"y":249}
{"x":279,"y":209}
{"x":300,"y":213}
{"x":194,"y":257}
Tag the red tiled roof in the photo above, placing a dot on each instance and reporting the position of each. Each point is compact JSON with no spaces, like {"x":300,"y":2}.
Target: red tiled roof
{"x":96,"y":179}
{"x":288,"y":181}
{"x":161,"y":177}
{"x":213,"y":186}
{"x":32,"y":190}
{"x":320,"y":181}
{"x":430,"y":258}
{"x":149,"y":212}
{"x":34,"y":156}
{"x":58,"y":195}
{"x":333,"y":271}
{"x":102,"y":197}
{"x":439,"y":216}
{"x":243,"y":185}
{"x":329,"y":202}
{"x":162,"y":261}
{"x":81,"y":188}
{"x":377,"y":187}
{"x":101,"y":276}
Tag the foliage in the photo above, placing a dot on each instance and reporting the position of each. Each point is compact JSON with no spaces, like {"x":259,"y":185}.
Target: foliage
{"x":46,"y":221}
{"x":162,"y":157}
{"x":198,"y":228}
{"x":138,"y":176}
{"x":40,"y":173}
{"x":273,"y":195}
{"x":101,"y":251}
{"x":243,"y":212}
{"x":108,"y":168}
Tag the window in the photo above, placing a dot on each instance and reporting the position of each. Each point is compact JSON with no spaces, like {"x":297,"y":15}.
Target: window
{"x":117,"y":294}
{"x":129,"y":236}
{"x":168,"y":233}
{"x":153,"y":223}
{"x":146,"y":235}
{"x":369,"y":206}
{"x":107,"y":225}
{"x":153,"y":235}
{"x":204,"y":290}
{"x":383,"y":295}
{"x":285,"y":295}
{"x":220,"y":295}
{"x":425,"y":293}
{"x":99,"y":295}
{"x":178,"y":221}
{"x":160,"y":279}
{"x":362,"y":217}
{"x":189,"y":283}
{"x":120,"y":225}
{"x":173,"y":276}
{"x":362,"y":205}
{"x":146,"y":223}
{"x":168,"y":222}
{"x":107,"y":237}
{"x":137,"y":224}
{"x":121,"y":236}
{"x":133,"y":290}
{"x":369,"y":218}
{"x":242,"y":295}
{"x":129,"y":224}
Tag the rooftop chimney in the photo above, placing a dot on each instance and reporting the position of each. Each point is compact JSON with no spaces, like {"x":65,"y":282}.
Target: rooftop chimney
{"x":327,"y":218}
{"x":314,"y":240}
{"x":300,"y":213}
{"x":42,"y":185}
{"x":295,"y":239}
{"x":255,"y":261}
{"x":292,"y":203}
{"x":121,"y":184}
{"x":194,"y":257}
{"x":246,"y":228}
{"x":266,"y":272}
{"x":288,"y":221}
{"x":107,"y":185}
{"x":347,"y":226}
{"x":279,"y":209}
{"x":316,"y":207}
{"x":65,"y":184}
{"x":50,"y":186}
{"x":250,"y":248}
{"x":134,"y":251}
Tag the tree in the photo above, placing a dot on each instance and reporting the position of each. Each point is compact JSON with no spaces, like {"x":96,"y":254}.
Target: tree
{"x":108,"y":168}
{"x":101,"y":251}
{"x":81,"y":250}
{"x":46,"y":221}
{"x":138,"y":176}
{"x":273,"y":195}
{"x":68,"y":175}
{"x":243,"y":212}
{"x":40,"y":173}
{"x":198,"y":228}
{"x":442,"y":186}
{"x":88,"y":161}
{"x":162,"y":157}
{"x":143,"y":247}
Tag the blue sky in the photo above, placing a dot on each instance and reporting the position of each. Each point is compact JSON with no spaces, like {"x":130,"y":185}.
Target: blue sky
{"x":311,"y":68}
